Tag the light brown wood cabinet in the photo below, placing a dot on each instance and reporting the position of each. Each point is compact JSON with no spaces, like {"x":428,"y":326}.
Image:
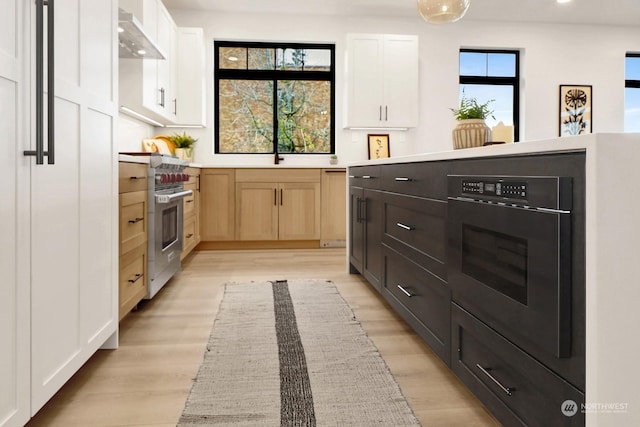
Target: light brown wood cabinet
{"x":191,"y":212}
{"x":217,"y":214}
{"x":133,"y":235}
{"x":333,"y":216}
{"x":277,"y":204}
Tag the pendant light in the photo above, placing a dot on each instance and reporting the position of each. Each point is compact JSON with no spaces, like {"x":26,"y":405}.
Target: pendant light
{"x":442,"y":11}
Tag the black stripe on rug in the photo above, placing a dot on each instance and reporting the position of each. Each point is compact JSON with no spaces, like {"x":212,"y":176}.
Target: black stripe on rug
{"x":296,"y":400}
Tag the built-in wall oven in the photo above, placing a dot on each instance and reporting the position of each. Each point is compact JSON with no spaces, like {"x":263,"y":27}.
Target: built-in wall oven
{"x":509,"y":258}
{"x":165,"y":227}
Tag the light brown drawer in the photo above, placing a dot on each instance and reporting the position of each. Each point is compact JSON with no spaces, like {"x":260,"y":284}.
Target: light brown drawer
{"x":133,"y":220}
{"x":516,"y":388}
{"x":189,"y":202}
{"x":190,"y":236}
{"x":277,"y":175}
{"x":133,"y":279}
{"x":132,"y":177}
{"x":194,"y":174}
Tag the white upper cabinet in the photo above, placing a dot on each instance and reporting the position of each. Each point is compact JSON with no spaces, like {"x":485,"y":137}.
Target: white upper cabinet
{"x":382,"y":81}
{"x":145,"y":84}
{"x":191,"y":103}
{"x":168,"y":91}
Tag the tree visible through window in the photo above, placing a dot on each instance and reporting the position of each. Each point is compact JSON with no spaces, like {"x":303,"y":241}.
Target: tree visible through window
{"x":274,"y":97}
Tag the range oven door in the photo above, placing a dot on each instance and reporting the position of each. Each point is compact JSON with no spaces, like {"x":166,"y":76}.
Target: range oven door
{"x":511,"y":267}
{"x":165,"y":243}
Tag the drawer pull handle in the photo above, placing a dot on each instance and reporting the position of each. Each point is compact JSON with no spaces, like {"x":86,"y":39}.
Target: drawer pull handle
{"x":403,"y":179}
{"x":189,"y":236}
{"x":137,"y":177}
{"x":366,"y":176}
{"x":404,"y":227}
{"x":133,"y":221}
{"x":407,"y":292}
{"x":508,"y":390}
{"x":137,"y":277}
{"x":189,"y":201}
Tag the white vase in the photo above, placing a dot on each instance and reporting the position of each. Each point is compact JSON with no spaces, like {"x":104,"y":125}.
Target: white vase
{"x":471,"y":133}
{"x":184,"y":153}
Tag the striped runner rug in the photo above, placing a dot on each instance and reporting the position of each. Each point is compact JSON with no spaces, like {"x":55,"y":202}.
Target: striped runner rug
{"x":291,"y":353}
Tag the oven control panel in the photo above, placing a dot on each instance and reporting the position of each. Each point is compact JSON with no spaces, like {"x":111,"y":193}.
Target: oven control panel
{"x":496,"y":188}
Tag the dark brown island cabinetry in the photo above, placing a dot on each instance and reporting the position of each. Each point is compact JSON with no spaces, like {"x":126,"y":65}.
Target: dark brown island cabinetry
{"x":401,"y":241}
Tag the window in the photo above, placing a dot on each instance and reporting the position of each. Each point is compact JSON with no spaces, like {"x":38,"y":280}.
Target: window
{"x":274,"y":97}
{"x":632,"y":93}
{"x":493,"y":74}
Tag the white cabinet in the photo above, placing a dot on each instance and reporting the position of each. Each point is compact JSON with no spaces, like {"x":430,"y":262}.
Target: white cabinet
{"x":191,"y":103}
{"x":146,"y":84}
{"x":382,"y":81}
{"x":59,"y":286}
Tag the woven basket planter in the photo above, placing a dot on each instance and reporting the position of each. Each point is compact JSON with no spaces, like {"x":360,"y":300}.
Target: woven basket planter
{"x":471,"y":133}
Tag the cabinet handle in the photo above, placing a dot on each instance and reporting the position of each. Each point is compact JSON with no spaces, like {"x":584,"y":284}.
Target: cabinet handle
{"x":133,"y":221}
{"x":408,"y":292}
{"x":403,"y":179}
{"x":281,"y":198}
{"x":175,"y":106}
{"x":353,"y":176}
{"x":189,"y":201}
{"x":39,"y":152}
{"x":137,"y":277}
{"x":161,"y":103}
{"x":358,"y":208}
{"x":366,"y":176}
{"x":380,"y":114}
{"x":336,"y":171}
{"x":189,"y":235}
{"x":363,"y":209}
{"x":137,"y":177}
{"x":386,"y":113}
{"x":508,"y":390}
{"x":275,"y":197}
{"x":404,"y":227}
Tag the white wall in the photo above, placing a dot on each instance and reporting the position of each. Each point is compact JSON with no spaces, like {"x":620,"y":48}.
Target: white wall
{"x":551,"y":55}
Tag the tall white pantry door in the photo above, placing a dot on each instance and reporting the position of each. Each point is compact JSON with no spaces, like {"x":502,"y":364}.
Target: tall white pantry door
{"x":14,"y":255}
{"x":59,"y":301}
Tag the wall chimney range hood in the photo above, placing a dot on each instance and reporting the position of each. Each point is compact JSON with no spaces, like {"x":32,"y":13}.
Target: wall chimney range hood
{"x":133,"y":41}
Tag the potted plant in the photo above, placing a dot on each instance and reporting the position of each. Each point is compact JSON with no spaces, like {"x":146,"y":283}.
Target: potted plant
{"x":333,"y":159}
{"x":471,"y":130}
{"x":184,"y":145}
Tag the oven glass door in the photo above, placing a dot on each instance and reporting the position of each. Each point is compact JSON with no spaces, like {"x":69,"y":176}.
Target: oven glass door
{"x":511,"y":268}
{"x":169,"y":226}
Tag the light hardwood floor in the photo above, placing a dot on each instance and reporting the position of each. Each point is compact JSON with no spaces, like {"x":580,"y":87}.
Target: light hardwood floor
{"x":146,"y":381}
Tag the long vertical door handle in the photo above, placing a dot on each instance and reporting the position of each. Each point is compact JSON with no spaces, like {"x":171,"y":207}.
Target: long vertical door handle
{"x":275,"y":197}
{"x":51,"y":138}
{"x":380,"y":114}
{"x":281,"y":198}
{"x":175,"y":106}
{"x":386,"y":113}
{"x":358,"y":210}
{"x":39,"y":152}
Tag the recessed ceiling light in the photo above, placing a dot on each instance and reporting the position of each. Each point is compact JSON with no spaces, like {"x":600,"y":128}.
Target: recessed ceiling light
{"x":563,"y":1}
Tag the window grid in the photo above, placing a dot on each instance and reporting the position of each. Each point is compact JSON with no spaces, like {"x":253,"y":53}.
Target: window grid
{"x":276,"y":77}
{"x":501,"y":81}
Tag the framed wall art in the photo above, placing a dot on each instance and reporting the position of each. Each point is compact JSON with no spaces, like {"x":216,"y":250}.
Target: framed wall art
{"x":378,"y":146}
{"x":576,"y":113}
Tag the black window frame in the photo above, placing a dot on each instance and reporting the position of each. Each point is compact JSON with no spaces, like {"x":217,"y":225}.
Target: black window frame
{"x":632,"y":83}
{"x":273,"y":75}
{"x":499,"y":81}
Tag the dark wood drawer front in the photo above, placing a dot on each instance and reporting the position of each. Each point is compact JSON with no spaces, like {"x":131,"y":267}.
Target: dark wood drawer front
{"x":416,"y":227}
{"x":424,"y":295}
{"x":365,"y":176}
{"x":516,"y":388}
{"x":426,"y":179}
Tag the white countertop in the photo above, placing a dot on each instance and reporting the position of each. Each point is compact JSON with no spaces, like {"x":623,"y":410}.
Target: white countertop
{"x":566,"y":144}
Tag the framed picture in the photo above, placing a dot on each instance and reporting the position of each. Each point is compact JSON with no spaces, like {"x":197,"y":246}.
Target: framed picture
{"x":575,"y":110}
{"x":378,"y":146}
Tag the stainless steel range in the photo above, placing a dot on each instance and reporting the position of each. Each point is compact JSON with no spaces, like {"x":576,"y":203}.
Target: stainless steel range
{"x":165,"y":207}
